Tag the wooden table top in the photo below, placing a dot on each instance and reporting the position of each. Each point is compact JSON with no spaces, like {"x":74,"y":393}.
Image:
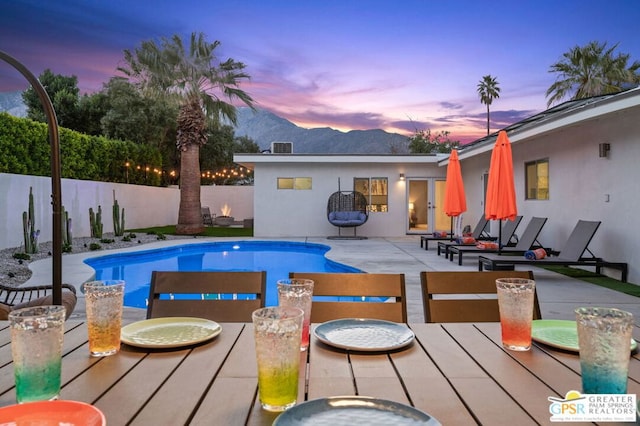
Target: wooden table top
{"x":458,"y":373}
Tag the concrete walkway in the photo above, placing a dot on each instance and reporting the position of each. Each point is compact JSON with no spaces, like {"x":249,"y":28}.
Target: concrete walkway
{"x":558,"y":295}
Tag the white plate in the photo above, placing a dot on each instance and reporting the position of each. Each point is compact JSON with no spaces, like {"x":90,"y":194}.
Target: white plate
{"x":353,"y":410}
{"x":169,"y":332}
{"x":361,"y":334}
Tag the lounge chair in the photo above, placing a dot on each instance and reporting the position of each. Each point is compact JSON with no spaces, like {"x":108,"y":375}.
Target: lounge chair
{"x":390,"y":288}
{"x":478,"y":232}
{"x":443,"y":295}
{"x":12,"y":298}
{"x":169,"y":292}
{"x":527,"y":241}
{"x":570,"y":255}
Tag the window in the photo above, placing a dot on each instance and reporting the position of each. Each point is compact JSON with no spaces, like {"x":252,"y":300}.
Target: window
{"x":294,"y":183}
{"x":537,"y":179}
{"x":375,"y":189}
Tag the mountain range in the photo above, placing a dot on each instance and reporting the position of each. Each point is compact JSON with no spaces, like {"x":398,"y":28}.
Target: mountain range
{"x":264,"y":127}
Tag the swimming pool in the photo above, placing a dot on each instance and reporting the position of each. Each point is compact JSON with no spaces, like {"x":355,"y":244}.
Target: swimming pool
{"x":275,"y":257}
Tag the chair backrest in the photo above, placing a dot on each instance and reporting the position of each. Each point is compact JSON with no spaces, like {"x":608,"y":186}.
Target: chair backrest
{"x":448,"y":304}
{"x":389,"y":287}
{"x":530,"y":233}
{"x":480,"y":227}
{"x":508,"y":229}
{"x":579,"y":240}
{"x":218,"y":295}
{"x":207,"y":219}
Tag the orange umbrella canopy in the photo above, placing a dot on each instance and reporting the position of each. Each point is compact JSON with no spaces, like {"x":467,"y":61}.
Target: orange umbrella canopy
{"x":501,"y":192}
{"x":455,"y":202}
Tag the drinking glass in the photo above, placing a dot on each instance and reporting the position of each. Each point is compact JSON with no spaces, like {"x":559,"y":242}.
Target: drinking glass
{"x":36,"y":346}
{"x":298,"y":293}
{"x":277,"y":332}
{"x":104,"y":301}
{"x":604,"y":339}
{"x":515,"y":301}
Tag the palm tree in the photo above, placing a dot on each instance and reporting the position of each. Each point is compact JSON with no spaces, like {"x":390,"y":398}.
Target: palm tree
{"x":199,"y":83}
{"x":488,"y":90}
{"x":592,"y":70}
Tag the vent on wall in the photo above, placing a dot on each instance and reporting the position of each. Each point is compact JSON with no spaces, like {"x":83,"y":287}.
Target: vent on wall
{"x":281,"y":147}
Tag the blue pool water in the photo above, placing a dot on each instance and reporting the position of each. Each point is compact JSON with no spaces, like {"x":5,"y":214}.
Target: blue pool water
{"x":277,"y":258}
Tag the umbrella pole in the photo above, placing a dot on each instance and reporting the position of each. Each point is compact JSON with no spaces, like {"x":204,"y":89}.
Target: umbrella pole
{"x":451,"y":226}
{"x":499,"y":236}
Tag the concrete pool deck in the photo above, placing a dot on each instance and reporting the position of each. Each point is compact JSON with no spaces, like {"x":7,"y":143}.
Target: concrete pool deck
{"x":558,"y":295}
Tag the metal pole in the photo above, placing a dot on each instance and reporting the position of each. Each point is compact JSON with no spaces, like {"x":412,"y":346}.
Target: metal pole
{"x":56,"y":197}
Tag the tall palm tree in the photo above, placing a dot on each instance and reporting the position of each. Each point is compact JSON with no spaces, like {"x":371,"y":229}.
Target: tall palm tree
{"x":488,"y":90}
{"x":200,"y":84}
{"x":592,"y":70}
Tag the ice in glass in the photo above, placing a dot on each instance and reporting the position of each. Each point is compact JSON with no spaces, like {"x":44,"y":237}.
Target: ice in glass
{"x":277,"y":332}
{"x":104,"y":301}
{"x":298,"y":293}
{"x":515,"y":301}
{"x":36,"y":346}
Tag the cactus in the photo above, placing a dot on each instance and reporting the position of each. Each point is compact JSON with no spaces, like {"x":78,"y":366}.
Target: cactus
{"x":29,"y":228}
{"x":67,"y":236}
{"x":118,"y":219}
{"x":95,"y":221}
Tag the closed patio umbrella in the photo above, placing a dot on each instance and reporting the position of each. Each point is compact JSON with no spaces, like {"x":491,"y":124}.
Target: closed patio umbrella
{"x":455,"y":202}
{"x":500,"y":202}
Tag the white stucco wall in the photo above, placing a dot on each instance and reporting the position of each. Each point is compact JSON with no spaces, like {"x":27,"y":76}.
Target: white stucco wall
{"x":286,"y":213}
{"x":579,"y":182}
{"x":144,"y":206}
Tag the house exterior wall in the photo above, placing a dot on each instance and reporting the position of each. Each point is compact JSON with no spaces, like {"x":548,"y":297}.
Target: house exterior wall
{"x":300,"y":213}
{"x":144,"y":206}
{"x":579,"y":182}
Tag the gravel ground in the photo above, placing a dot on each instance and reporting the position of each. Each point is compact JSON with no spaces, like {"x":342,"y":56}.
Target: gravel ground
{"x":14,"y":272}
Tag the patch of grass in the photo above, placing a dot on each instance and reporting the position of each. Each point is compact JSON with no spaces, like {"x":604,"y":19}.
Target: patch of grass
{"x":597,"y":279}
{"x":209,"y":231}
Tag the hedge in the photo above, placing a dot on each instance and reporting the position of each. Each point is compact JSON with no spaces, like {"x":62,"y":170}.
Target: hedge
{"x":24,"y":149}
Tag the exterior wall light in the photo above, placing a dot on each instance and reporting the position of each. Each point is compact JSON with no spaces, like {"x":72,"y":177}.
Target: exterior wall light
{"x":402,"y":176}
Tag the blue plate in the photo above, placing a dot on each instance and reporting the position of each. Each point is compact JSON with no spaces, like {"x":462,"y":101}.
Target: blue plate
{"x":353,"y":410}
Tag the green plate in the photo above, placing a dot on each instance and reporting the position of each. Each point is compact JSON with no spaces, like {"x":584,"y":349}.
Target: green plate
{"x":561,"y":334}
{"x":169,"y":332}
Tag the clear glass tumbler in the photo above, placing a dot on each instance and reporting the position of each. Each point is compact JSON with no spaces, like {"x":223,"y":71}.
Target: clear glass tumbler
{"x":298,"y":293}
{"x":277,"y":332}
{"x":604,"y":339}
{"x":515,"y":301}
{"x":104,"y":300}
{"x":36,"y":346}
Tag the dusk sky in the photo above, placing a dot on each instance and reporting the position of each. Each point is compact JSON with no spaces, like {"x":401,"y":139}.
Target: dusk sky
{"x":398,"y":65}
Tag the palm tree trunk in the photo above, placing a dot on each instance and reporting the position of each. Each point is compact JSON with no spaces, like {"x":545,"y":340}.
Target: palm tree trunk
{"x":189,"y":215}
{"x":488,"y":120}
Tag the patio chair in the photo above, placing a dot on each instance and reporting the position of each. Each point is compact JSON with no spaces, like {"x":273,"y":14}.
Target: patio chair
{"x":387,"y":289}
{"x":207,"y":219}
{"x":570,"y":255}
{"x":226,"y":296}
{"x":12,"y":298}
{"x":527,"y":241}
{"x":443,"y":302}
{"x":479,"y":234}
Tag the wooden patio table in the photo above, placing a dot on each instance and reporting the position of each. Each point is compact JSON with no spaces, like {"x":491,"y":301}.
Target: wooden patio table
{"x":457,"y":372}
